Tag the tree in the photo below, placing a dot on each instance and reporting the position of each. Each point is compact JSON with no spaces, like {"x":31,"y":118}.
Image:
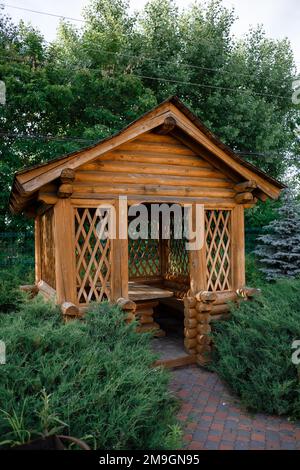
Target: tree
{"x":92,"y":81}
{"x":278,"y":248}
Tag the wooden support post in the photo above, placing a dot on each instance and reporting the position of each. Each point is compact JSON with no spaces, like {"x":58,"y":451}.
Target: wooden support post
{"x":64,"y":239}
{"x":119,"y":260}
{"x":198,"y":282}
{"x":37,"y":249}
{"x":237,"y":248}
{"x":197,"y":258}
{"x":164,"y":256}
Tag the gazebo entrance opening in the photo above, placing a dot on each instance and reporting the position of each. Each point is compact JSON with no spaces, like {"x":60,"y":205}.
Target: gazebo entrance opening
{"x":158,"y":272}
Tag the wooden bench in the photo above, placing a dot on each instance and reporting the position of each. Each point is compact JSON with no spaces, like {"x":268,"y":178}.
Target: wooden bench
{"x":147,"y":297}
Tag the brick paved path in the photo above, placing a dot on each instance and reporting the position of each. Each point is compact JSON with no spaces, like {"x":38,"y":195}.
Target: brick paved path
{"x":213,"y":419}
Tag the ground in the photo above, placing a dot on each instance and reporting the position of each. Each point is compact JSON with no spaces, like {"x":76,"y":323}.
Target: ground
{"x":212,"y":418}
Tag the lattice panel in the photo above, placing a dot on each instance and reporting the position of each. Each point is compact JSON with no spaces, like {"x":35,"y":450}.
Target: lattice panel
{"x":178,"y":258}
{"x":93,"y":257}
{"x":144,"y":258}
{"x":217,"y":230}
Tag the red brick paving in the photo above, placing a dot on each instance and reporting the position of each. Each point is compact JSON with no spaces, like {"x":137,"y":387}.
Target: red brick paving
{"x":212,"y":418}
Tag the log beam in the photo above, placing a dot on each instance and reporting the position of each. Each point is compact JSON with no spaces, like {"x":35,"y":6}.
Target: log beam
{"x":47,"y":291}
{"x":246,"y":186}
{"x":31,"y":290}
{"x":129,"y":307}
{"x":70,"y":311}
{"x":67,"y":177}
{"x":168,"y":126}
{"x":65,"y":190}
{"x":244,"y":198}
{"x":248,"y":292}
{"x":47,"y":198}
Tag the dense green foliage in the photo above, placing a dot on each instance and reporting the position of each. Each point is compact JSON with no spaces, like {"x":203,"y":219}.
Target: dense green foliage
{"x":89,"y":379}
{"x":253,"y":351}
{"x":10,"y":295}
{"x":94,"y":80}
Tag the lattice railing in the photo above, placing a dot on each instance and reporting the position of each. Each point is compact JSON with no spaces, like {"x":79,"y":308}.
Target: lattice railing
{"x":178,"y":260}
{"x":93,"y":257}
{"x":143,"y":258}
{"x":218,"y":246}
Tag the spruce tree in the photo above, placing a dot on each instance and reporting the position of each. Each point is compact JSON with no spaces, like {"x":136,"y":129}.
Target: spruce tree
{"x":278,"y":248}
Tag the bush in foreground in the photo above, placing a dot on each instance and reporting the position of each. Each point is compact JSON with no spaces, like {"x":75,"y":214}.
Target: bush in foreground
{"x":254,"y":350}
{"x":90,"y":379}
{"x":10,"y":295}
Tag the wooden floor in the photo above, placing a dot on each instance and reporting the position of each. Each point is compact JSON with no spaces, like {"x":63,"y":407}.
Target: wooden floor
{"x":138,"y":292}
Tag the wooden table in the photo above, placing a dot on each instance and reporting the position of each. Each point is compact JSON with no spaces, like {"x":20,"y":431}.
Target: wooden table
{"x":147,"y":298}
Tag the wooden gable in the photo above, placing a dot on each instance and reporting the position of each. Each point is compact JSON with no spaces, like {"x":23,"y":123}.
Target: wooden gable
{"x":168,"y":152}
{"x":153,"y":165}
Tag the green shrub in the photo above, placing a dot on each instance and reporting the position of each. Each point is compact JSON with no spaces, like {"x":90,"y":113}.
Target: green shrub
{"x":254,"y":277}
{"x":90,"y":379}
{"x":253,"y":350}
{"x":10,"y":294}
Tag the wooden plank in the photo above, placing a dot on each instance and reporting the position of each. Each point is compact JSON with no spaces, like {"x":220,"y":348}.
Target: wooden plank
{"x":163,"y":190}
{"x":153,"y":157}
{"x":207,"y":156}
{"x":145,"y":167}
{"x":64,"y":235}
{"x":177,"y":362}
{"x":238,"y":247}
{"x":165,"y":148}
{"x":152,"y":136}
{"x":133,"y":178}
{"x":138,"y":292}
{"x":83,"y":199}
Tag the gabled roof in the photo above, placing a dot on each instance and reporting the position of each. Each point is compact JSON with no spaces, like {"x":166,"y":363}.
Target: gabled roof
{"x":27,"y":182}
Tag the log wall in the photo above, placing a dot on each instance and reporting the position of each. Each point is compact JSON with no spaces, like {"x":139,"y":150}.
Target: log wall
{"x":153,"y":165}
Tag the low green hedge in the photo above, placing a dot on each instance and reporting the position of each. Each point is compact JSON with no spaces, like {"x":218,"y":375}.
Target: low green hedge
{"x":90,"y":379}
{"x":253,"y":350}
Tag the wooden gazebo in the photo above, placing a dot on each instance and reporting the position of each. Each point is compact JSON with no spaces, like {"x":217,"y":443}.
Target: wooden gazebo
{"x":166,"y":156}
